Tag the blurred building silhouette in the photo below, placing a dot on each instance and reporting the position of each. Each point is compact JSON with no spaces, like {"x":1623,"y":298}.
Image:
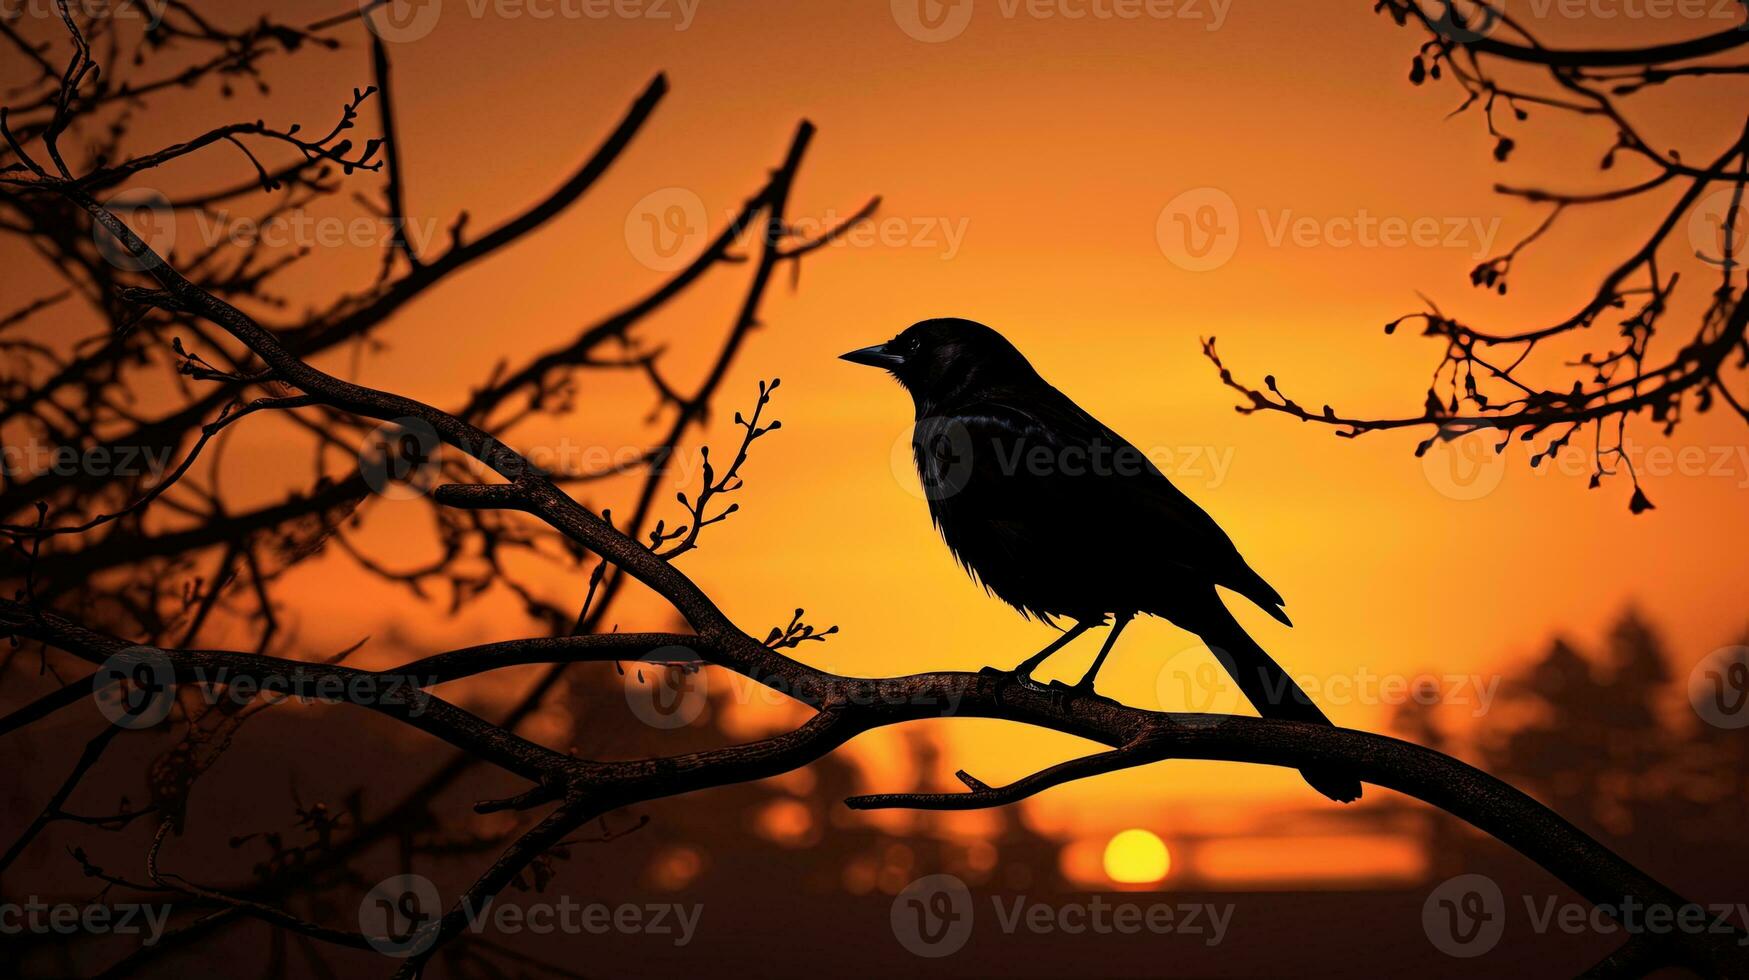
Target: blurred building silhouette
{"x":792,"y":833}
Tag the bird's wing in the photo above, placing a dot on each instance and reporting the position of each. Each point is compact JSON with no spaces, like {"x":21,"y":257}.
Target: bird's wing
{"x":1125,"y":494}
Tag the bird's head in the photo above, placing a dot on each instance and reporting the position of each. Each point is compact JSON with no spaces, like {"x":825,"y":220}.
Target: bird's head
{"x":937,"y":358}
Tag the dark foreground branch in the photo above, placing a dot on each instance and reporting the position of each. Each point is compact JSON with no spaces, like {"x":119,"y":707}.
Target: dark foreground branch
{"x":851,"y":706}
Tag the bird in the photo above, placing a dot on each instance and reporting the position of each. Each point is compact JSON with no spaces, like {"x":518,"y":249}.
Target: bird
{"x":1057,"y":515}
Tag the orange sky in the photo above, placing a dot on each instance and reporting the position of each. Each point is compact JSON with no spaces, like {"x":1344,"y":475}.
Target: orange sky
{"x":1049,"y":147}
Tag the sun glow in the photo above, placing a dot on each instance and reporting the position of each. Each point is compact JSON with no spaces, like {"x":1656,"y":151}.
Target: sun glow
{"x":1136,"y":857}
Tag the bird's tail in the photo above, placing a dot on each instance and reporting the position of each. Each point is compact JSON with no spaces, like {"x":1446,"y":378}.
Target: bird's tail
{"x":1274,"y":693}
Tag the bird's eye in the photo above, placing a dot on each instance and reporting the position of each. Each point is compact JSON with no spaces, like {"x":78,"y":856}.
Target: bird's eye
{"x":913,"y":345}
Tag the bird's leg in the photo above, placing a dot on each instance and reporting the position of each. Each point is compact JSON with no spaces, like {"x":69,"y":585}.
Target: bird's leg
{"x":1118,"y":622}
{"x":1031,"y":664}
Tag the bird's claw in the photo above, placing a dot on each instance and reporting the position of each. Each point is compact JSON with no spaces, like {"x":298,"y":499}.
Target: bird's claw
{"x":1057,"y":691}
{"x":1062,"y":692}
{"x":1024,"y":679}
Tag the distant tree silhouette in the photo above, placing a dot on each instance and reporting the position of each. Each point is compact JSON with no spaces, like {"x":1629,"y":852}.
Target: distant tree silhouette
{"x":1608,"y":739}
{"x":1597,"y":744}
{"x":1557,"y":748}
{"x":1717,"y":770}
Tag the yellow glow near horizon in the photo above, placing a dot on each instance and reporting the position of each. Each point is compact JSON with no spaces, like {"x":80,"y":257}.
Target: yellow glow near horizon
{"x":1136,"y":857}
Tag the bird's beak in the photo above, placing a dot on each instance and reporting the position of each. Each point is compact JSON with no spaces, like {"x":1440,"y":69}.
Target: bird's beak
{"x":876,"y":356}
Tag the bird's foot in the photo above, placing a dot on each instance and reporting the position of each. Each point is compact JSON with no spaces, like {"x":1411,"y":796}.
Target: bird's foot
{"x":1025,"y":679}
{"x":1023,"y":676}
{"x":1023,"y":671}
{"x":1057,"y":691}
{"x":1084,"y":687}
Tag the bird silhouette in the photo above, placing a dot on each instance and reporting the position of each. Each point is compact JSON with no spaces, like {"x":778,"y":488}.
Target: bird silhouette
{"x":1060,"y":517}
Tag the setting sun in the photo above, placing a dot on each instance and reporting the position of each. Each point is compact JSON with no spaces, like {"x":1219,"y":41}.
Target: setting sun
{"x":1136,"y":857}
